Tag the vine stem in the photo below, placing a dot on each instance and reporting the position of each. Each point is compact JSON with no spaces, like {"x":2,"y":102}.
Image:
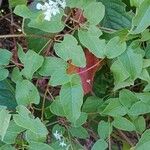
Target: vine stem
{"x":22,"y":35}
{"x":50,"y":124}
{"x":81,"y":72}
{"x":12,"y":35}
{"x":106,"y":29}
{"x":49,"y":42}
{"x":126,"y":138}
{"x":43,"y":103}
{"x":50,"y":95}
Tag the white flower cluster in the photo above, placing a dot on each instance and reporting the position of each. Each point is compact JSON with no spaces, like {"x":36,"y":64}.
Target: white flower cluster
{"x":58,"y":136}
{"x":51,"y":8}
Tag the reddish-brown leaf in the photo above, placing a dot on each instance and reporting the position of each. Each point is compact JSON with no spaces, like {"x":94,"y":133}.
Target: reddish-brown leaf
{"x":87,"y":73}
{"x":92,"y":62}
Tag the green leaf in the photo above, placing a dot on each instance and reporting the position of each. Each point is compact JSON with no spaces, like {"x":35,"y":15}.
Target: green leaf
{"x":116,"y":16}
{"x":144,"y":97}
{"x":114,"y":108}
{"x":32,"y":62}
{"x":12,"y":133}
{"x":26,"y":93}
{"x":79,"y":4}
{"x":100,"y":145}
{"x":127,"y":98}
{"x":16,"y":75}
{"x":90,"y":39}
{"x":59,"y":129}
{"x":127,"y":68}
{"x":32,"y":137}
{"x":147,"y":88}
{"x":7,"y":147}
{"x":37,"y":20}
{"x":74,"y":3}
{"x":139,"y":108}
{"x":146,"y":63}
{"x":115,"y":47}
{"x":82,"y":119}
{"x":136,"y":3}
{"x":104,"y":129}
{"x":57,"y":108}
{"x":140,"y":124}
{"x":24,"y":120}
{"x":5,"y":56}
{"x":42,"y":43}
{"x":14,"y":3}
{"x":144,"y":75}
{"x":91,"y":104}
{"x":56,"y":68}
{"x":70,"y":101}
{"x":22,"y":110}
{"x":54,"y":26}
{"x":71,"y":51}
{"x":79,"y":132}
{"x":21,"y":53}
{"x":94,"y":12}
{"x":144,"y":142}
{"x":123,"y":124}
{"x":23,"y":11}
{"x":7,"y":94}
{"x":140,"y":21}
{"x":120,"y":74}
{"x":3,"y":73}
{"x":38,"y":145}
{"x":71,"y":98}
{"x":145,"y":35}
{"x":4,"y":122}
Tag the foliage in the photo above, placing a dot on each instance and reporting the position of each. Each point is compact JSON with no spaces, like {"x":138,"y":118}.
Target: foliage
{"x":82,"y":75}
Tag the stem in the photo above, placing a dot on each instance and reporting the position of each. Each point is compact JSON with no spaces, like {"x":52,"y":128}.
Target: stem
{"x":50,"y":124}
{"x":49,"y":42}
{"x":90,"y":67}
{"x":107,"y":29}
{"x":17,"y":64}
{"x":43,"y":104}
{"x":12,"y":35}
{"x":23,"y":35}
{"x":50,"y":95}
{"x":126,"y":138}
{"x":3,"y":17}
{"x":23,"y":25}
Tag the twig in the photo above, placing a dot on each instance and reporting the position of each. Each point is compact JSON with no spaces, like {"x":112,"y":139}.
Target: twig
{"x":47,"y":43}
{"x":50,"y":124}
{"x":15,"y":55}
{"x":17,"y":64}
{"x":12,"y":23}
{"x":126,"y":138}
{"x":50,"y":95}
{"x":3,"y":17}
{"x":23,"y":35}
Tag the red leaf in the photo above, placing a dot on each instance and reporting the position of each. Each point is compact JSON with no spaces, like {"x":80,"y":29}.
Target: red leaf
{"x":92,"y":62}
{"x":87,"y":73}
